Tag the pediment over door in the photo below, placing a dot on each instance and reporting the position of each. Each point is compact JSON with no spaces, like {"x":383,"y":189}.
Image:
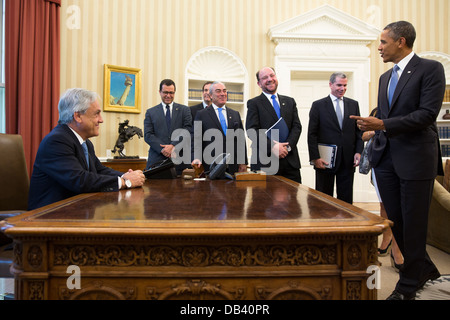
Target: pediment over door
{"x":314,"y":32}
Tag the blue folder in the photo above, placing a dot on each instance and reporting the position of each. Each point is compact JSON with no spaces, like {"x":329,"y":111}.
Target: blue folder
{"x":283,"y":130}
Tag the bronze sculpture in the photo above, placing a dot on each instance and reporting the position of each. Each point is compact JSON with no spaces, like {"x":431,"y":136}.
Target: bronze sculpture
{"x":126,"y":133}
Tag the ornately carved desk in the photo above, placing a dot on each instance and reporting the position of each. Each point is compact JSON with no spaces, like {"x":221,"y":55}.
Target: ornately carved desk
{"x":184,"y":239}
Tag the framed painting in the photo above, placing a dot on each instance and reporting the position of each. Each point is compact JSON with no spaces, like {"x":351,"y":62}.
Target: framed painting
{"x":122,"y":89}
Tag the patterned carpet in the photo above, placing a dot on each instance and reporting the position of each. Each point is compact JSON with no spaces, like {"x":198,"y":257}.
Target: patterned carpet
{"x":438,"y":289}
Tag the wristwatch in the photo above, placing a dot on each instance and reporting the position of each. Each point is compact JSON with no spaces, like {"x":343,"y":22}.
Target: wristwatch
{"x":127,"y":183}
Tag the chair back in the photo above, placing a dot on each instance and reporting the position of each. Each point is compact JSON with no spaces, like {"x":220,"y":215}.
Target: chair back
{"x":13,"y":170}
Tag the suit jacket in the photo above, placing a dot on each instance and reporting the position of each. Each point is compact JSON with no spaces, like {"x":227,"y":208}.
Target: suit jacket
{"x":411,"y":134}
{"x":157,"y":133}
{"x":261,"y":115}
{"x":195,"y":109}
{"x":209,"y":120}
{"x":324,"y":128}
{"x":60,"y":170}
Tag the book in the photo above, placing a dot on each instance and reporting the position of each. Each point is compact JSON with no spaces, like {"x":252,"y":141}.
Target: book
{"x":283,"y":130}
{"x":328,"y":153}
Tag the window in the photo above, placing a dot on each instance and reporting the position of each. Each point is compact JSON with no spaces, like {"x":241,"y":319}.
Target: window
{"x":2,"y":69}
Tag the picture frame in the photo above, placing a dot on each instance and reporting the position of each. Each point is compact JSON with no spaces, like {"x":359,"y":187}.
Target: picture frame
{"x":122,"y":89}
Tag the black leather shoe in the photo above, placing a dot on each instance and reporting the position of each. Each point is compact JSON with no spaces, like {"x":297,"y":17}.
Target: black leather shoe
{"x":431,"y":276}
{"x":400,"y":296}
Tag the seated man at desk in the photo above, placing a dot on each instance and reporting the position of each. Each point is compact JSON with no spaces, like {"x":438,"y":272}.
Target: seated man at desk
{"x":225,"y":126}
{"x":66,"y":164}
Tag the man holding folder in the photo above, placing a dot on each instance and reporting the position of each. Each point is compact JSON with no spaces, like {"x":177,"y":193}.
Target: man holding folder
{"x":330,"y":125}
{"x":263,"y":113}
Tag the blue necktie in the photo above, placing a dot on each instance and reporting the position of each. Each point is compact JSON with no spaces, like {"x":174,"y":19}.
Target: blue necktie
{"x":223,"y":122}
{"x":86,"y":153}
{"x":276,"y":106}
{"x":393,"y":84}
{"x":339,"y":113}
{"x":168,"y":120}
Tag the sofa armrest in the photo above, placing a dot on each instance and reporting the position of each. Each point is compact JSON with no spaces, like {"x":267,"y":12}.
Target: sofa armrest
{"x":441,"y":195}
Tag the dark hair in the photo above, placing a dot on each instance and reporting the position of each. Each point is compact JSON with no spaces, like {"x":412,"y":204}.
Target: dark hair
{"x":402,"y":29}
{"x":206,"y":83}
{"x":168,"y":83}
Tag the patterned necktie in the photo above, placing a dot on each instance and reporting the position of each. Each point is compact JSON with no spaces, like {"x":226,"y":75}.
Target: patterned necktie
{"x":276,"y":106}
{"x":223,"y":122}
{"x":86,"y":153}
{"x":168,"y":120}
{"x":393,"y":84}
{"x":339,"y":113}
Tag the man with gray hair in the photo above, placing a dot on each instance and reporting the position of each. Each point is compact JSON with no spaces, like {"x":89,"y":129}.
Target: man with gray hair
{"x":66,"y":164}
{"x":329,"y":124}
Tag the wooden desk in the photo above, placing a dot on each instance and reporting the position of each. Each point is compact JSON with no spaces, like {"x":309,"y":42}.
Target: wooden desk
{"x":126,"y":164}
{"x":177,"y":239}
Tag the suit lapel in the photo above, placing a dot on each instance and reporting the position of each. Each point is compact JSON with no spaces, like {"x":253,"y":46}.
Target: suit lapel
{"x":213,"y":116}
{"x":162,"y":115}
{"x":175,"y":114}
{"x":268,"y":106}
{"x":406,"y":75}
{"x":332,"y":111}
{"x":82,"y":158}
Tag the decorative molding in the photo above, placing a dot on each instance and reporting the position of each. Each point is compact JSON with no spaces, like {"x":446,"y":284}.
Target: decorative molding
{"x":443,"y":58}
{"x":354,"y":290}
{"x":36,"y":289}
{"x":216,"y":63}
{"x":294,"y":291}
{"x":324,"y":23}
{"x":35,"y":257}
{"x":97,"y":291}
{"x":194,"y":256}
{"x":197,"y":289}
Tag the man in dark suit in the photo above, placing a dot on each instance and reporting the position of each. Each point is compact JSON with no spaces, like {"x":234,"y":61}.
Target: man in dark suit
{"x":329,"y":123}
{"x":274,"y":157}
{"x":160,"y":123}
{"x":405,"y":153}
{"x":225,"y":127}
{"x":63,"y":168}
{"x":206,"y":100}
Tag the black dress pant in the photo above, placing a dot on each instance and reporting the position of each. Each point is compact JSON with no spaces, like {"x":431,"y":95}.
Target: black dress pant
{"x":407,"y":203}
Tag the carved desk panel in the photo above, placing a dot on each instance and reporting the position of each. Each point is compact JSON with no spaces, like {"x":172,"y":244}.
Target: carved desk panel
{"x":177,"y":239}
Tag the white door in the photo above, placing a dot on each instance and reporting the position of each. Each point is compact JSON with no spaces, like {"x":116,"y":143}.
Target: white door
{"x":307,"y":87}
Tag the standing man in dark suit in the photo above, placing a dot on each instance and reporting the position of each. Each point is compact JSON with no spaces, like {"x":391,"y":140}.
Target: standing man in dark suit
{"x":160,"y":123}
{"x":405,"y":153}
{"x":225,"y":126}
{"x":329,"y":123}
{"x":66,"y":164}
{"x":206,"y":100}
{"x":262,"y":113}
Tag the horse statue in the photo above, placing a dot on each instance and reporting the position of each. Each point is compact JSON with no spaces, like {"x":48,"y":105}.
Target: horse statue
{"x":126,"y":133}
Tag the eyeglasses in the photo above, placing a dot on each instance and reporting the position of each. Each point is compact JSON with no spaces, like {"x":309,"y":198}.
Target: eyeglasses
{"x":166,"y":93}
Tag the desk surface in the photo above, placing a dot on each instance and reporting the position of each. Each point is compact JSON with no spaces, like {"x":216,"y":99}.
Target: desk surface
{"x":276,"y":206}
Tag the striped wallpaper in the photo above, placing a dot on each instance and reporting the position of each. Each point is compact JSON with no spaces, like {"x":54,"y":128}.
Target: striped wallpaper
{"x":160,"y":36}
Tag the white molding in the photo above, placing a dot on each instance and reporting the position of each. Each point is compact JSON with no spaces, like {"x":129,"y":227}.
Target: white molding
{"x":443,"y":58}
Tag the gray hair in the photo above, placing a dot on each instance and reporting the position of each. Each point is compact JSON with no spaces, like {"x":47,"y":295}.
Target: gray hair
{"x":337,"y":75}
{"x":75,"y":100}
{"x":211,"y":88}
